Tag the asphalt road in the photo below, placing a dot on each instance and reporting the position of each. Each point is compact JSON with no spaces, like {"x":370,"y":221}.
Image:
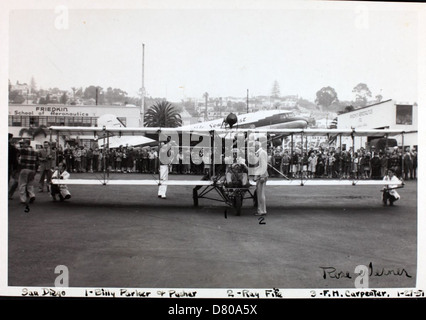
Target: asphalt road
{"x":124,"y":236}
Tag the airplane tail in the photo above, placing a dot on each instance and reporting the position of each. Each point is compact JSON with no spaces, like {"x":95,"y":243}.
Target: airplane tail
{"x":110,"y":121}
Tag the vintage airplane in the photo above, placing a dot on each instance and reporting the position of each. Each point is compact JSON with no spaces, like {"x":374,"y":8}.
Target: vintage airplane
{"x":232,"y":195}
{"x":265,"y":119}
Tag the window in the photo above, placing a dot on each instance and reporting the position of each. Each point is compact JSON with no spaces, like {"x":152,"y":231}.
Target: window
{"x":15,"y":121}
{"x":25,"y":121}
{"x":86,"y":122}
{"x":51,"y":121}
{"x":42,"y":121}
{"x":34,"y":121}
{"x":404,"y":114}
{"x":60,"y":121}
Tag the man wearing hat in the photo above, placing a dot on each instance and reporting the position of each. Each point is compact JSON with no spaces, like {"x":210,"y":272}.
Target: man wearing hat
{"x":389,"y":192}
{"x":47,"y":163}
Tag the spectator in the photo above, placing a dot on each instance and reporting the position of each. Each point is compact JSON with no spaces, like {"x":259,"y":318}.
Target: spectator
{"x":383,"y":164}
{"x":320,"y":165}
{"x":77,"y":159}
{"x":277,"y":160}
{"x":130,"y":160}
{"x":305,"y":161}
{"x":89,"y":160}
{"x":28,"y":161}
{"x":47,"y":162}
{"x":294,"y":165}
{"x":336,"y":165}
{"x":111,"y":157}
{"x":330,"y":164}
{"x":408,"y":164}
{"x":285,"y":163}
{"x":395,"y":162}
{"x":118,"y":159}
{"x":312,"y":164}
{"x":95,"y":164}
{"x":124,"y":159}
{"x":145,"y":160}
{"x":355,"y":166}
{"x":375,"y":167}
{"x":346,"y":164}
{"x":152,"y":158}
{"x":83,"y":158}
{"x":414,"y":165}
{"x":13,"y":169}
{"x":138,"y":160}
{"x":366,"y":165}
{"x":186,"y":160}
{"x":60,"y":154}
{"x":69,"y":158}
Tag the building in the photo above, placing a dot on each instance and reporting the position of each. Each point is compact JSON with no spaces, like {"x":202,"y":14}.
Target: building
{"x":387,"y":114}
{"x":24,"y":117}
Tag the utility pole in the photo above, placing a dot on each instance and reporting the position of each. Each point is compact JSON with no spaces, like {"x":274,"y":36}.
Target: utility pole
{"x":142,"y":111}
{"x":247,"y":100}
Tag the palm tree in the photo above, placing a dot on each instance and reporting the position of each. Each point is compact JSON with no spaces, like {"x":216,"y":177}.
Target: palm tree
{"x":162,"y":114}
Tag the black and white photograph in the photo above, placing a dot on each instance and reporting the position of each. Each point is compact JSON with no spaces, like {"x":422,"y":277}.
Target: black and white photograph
{"x":213,"y":149}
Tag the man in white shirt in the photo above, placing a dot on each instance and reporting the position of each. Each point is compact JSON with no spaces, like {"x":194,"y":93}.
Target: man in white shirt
{"x":389,"y":192}
{"x":261,"y":176}
{"x":166,"y":156}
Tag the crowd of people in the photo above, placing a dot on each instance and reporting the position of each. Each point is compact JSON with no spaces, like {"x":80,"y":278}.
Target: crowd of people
{"x":125,"y":159}
{"x":23,"y":164}
{"x":314,"y":163}
{"x":336,"y":164}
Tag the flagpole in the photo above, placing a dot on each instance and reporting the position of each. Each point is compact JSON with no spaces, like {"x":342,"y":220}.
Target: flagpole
{"x":142,"y":111}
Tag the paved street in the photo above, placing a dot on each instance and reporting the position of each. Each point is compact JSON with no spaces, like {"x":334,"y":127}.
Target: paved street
{"x":124,"y":236}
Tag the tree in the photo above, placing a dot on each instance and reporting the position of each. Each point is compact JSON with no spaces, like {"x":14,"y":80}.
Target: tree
{"x":275,"y":92}
{"x":348,"y":109}
{"x":16,"y":97}
{"x":362,"y":92}
{"x":64,"y":98}
{"x":115,"y":95}
{"x":162,"y":114}
{"x":326,"y":96}
{"x":94,"y":92}
{"x":33,"y":85}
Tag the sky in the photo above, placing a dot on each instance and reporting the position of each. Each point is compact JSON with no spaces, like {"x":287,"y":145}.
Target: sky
{"x":224,"y":51}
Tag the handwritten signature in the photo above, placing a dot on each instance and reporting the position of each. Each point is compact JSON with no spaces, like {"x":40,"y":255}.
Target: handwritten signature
{"x":333,"y":273}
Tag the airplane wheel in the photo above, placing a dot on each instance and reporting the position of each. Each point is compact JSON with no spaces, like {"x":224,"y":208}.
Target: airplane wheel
{"x":195,"y":197}
{"x":238,"y":203}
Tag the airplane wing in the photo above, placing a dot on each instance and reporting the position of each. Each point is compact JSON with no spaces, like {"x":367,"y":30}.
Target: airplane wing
{"x":331,"y":182}
{"x":271,"y":182}
{"x":145,"y":182}
{"x":127,"y":131}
